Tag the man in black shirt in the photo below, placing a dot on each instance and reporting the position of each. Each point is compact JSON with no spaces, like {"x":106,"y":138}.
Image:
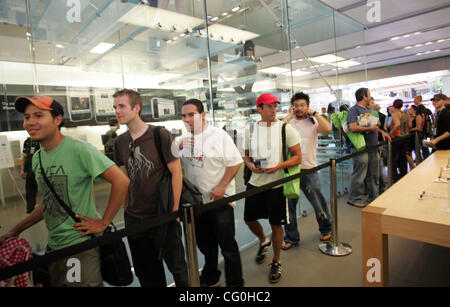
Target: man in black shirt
{"x":442,"y":138}
{"x":26,"y":172}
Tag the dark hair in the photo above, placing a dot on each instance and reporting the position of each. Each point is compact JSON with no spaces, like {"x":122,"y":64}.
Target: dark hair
{"x":298,"y":96}
{"x":135,"y":97}
{"x":196,"y":103}
{"x":416,"y":109}
{"x":398,"y":104}
{"x":360,"y":93}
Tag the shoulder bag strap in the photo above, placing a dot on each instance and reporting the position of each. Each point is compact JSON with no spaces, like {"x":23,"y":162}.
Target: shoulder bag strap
{"x":60,"y":201}
{"x":158,"y":145}
{"x":284,"y":148}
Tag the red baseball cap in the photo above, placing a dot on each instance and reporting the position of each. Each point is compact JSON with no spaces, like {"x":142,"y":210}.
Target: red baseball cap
{"x":42,"y":102}
{"x":267,"y":98}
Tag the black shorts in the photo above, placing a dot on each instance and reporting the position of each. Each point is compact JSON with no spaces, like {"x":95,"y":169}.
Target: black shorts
{"x":270,"y":204}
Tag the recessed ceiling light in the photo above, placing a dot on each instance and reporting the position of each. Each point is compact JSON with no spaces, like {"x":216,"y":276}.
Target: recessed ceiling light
{"x":394,"y":38}
{"x":417,"y":33}
{"x":215,"y":18}
{"x":437,"y":50}
{"x":418,"y":45}
{"x":420,"y":53}
{"x":327,"y":59}
{"x":407,"y":35}
{"x":224,"y":14}
{"x":59,"y":46}
{"x":296,"y":73}
{"x":101,"y":48}
{"x":408,"y":47}
{"x":274,"y":70}
{"x":441,"y":40}
{"x":235,"y":9}
{"x":428,"y":43}
{"x":346,"y":64}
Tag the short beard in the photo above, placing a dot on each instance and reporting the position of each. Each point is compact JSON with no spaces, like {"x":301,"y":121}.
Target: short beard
{"x":304,"y":116}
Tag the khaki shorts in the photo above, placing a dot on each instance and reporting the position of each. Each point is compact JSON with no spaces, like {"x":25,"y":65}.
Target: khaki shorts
{"x":79,"y":270}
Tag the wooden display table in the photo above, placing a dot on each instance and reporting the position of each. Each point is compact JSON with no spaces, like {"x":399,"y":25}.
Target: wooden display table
{"x":400,"y":212}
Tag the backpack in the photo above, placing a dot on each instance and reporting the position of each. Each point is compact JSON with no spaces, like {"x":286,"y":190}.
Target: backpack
{"x":16,"y":250}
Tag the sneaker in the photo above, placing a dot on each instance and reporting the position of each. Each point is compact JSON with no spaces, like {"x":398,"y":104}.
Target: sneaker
{"x":205,"y":284}
{"x":262,"y":252}
{"x":275,"y":272}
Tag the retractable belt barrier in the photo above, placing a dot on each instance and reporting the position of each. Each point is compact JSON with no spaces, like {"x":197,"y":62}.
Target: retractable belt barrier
{"x":44,"y":260}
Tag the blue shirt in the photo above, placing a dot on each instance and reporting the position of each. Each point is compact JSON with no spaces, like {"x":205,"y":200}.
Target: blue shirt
{"x":353,"y":116}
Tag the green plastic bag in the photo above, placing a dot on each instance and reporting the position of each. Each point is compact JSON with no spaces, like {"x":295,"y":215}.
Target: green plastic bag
{"x":339,"y":120}
{"x":291,"y":189}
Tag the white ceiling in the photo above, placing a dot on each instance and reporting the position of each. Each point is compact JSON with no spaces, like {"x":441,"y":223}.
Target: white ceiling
{"x":413,"y":23}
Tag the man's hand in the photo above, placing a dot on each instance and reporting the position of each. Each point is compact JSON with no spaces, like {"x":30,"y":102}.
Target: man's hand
{"x":186,"y":143}
{"x":90,"y":226}
{"x":385,"y":136}
{"x":218,"y":192}
{"x":373,"y":128}
{"x":254,"y":169}
{"x":6,"y":236}
{"x":271,"y":170}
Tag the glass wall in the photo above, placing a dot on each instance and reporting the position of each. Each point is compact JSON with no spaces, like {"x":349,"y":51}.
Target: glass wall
{"x":225,"y":53}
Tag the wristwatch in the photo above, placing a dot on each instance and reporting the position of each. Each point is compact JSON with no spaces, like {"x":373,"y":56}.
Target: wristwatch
{"x":314,"y":114}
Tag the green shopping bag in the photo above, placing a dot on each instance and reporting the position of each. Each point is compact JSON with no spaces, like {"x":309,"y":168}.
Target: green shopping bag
{"x":339,"y":120}
{"x":291,"y":189}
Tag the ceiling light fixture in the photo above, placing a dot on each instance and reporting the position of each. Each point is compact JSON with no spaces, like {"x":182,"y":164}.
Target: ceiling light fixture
{"x":215,"y":18}
{"x":101,"y":48}
{"x":235,"y":9}
{"x":275,"y":70}
{"x":224,"y":14}
{"x":395,"y":38}
{"x":59,"y":46}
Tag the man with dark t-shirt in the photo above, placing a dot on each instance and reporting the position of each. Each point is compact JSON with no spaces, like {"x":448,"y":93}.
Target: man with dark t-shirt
{"x":442,"y":139}
{"x":136,"y":154}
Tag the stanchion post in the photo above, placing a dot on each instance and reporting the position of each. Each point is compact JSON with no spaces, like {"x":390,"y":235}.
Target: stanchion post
{"x":389,"y":160}
{"x":191,"y":245}
{"x":334,"y":247}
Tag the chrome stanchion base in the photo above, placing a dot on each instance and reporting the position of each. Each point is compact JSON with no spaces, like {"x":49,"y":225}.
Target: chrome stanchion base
{"x":341,"y":249}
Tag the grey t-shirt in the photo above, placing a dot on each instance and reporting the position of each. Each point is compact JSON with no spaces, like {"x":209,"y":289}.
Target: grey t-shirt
{"x":354,"y":115}
{"x":144,"y":168}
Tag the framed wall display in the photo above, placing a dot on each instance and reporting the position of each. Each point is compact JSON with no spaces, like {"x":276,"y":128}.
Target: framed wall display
{"x":79,"y":104}
{"x":162,"y":107}
{"x":104,"y":104}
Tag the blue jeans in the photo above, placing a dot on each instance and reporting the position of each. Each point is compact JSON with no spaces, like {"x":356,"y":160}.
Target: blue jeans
{"x":365,"y":167}
{"x":310,"y":185}
{"x":148,"y":267}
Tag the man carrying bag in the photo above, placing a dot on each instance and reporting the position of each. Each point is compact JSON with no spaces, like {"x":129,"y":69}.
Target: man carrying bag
{"x":71,"y":165}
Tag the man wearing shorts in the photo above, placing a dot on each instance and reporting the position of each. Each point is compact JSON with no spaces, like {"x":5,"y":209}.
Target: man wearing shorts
{"x":263,"y":156}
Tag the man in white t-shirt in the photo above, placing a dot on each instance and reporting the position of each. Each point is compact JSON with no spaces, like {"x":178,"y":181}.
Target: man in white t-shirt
{"x":263,"y":156}
{"x":309,"y":124}
{"x":210,"y":161}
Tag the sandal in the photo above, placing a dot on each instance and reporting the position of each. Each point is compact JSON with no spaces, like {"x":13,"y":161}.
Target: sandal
{"x":287,"y":245}
{"x":358,"y":205}
{"x":326,"y":237}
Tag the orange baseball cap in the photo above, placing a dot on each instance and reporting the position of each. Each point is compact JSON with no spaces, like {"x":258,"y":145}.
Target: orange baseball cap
{"x":42,"y":102}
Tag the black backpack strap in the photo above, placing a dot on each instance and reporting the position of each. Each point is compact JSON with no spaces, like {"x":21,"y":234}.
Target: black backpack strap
{"x":158,"y":145}
{"x":58,"y":198}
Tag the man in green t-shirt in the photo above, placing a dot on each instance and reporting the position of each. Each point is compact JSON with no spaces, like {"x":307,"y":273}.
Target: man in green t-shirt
{"x":70,"y":165}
